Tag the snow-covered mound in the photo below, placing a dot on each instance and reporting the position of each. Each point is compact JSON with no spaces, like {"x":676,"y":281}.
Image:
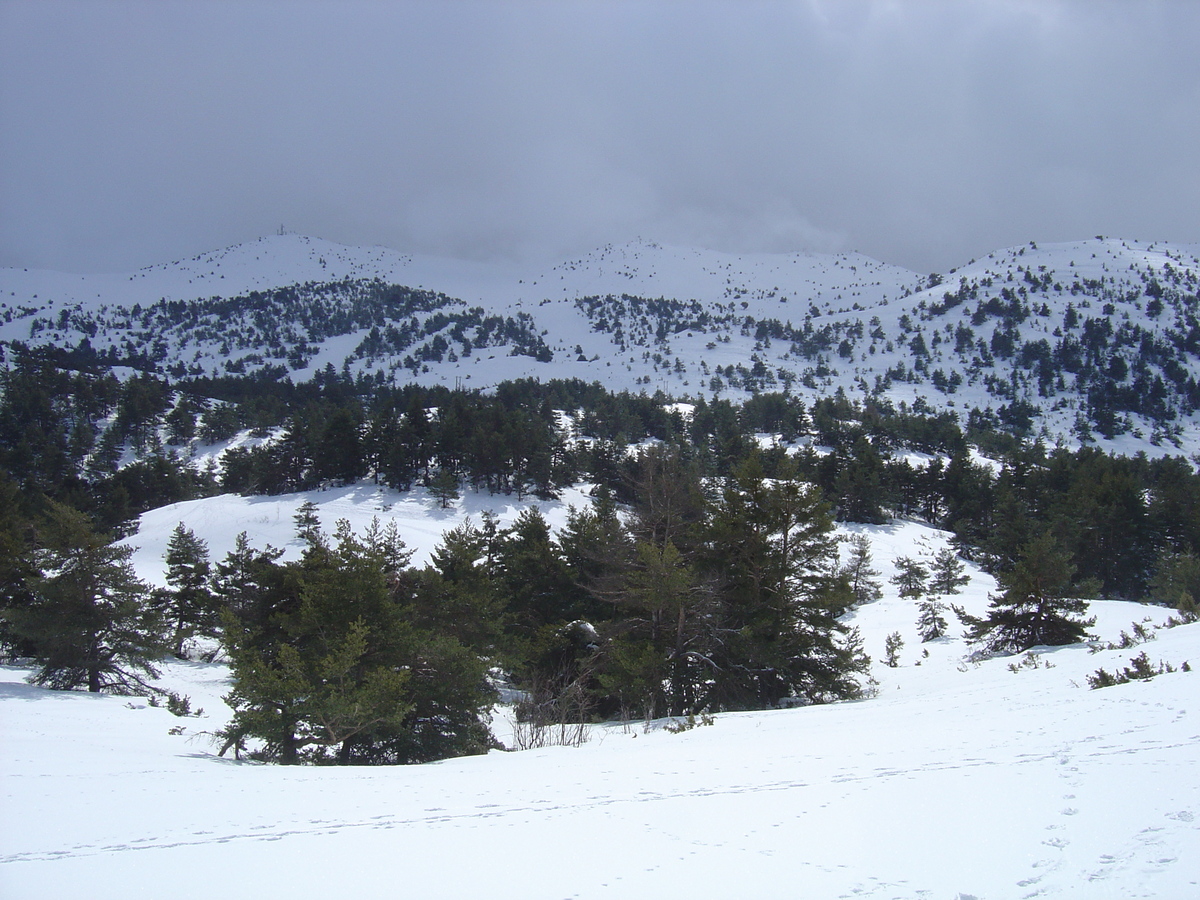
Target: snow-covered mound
{"x":419,"y":517}
{"x":1008,"y":778}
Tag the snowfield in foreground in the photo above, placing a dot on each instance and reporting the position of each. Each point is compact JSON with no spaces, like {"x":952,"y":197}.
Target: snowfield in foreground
{"x":956,"y":781}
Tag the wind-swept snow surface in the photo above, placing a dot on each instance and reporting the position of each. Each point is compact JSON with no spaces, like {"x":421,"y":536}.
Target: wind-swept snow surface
{"x":1004,"y":779}
{"x":993,"y":785}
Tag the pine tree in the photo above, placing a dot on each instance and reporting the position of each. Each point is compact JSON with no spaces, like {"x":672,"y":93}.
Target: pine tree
{"x":338,"y":454}
{"x":668,"y":499}
{"x":931,"y":623}
{"x":308,"y":523}
{"x":911,"y":578}
{"x":771,"y":550}
{"x":892,"y":644}
{"x":406,"y":456}
{"x":859,"y":485}
{"x":533,"y":576}
{"x":457,"y":593}
{"x":191,"y":607}
{"x":1034,"y":607}
{"x":338,"y":669}
{"x":315,"y":681}
{"x":444,"y":487}
{"x":947,"y":573}
{"x":860,"y":572}
{"x":1176,"y":580}
{"x":247,"y":583}
{"x":655,"y":660}
{"x":87,"y":618}
{"x":17,"y":565}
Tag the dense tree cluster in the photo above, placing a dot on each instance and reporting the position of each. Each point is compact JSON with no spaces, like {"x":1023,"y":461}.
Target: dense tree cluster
{"x":704,"y":596}
{"x":113,"y":448}
{"x":705,"y":576}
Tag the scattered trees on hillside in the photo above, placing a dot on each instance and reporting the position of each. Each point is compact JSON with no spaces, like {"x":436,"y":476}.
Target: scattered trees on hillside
{"x":68,"y":434}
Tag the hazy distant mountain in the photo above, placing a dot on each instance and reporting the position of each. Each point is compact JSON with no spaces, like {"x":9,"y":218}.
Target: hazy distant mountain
{"x":1092,"y":340}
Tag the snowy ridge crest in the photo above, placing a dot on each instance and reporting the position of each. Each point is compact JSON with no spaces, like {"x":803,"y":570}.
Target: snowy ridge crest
{"x":1094,"y":340}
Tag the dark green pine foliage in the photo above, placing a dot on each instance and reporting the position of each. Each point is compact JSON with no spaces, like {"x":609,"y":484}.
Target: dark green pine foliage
{"x":84,"y":615}
{"x":947,"y":573}
{"x":191,"y":607}
{"x":443,"y":486}
{"x":1102,"y":521}
{"x":457,"y":595}
{"x":1036,"y":606}
{"x":931,"y":621}
{"x":911,"y":578}
{"x":861,"y":574}
{"x":338,"y":454}
{"x":859,"y":485}
{"x":654,"y":661}
{"x":332,"y":664}
{"x":771,"y":549}
{"x":17,"y":566}
{"x":532,"y":575}
{"x":249,"y":585}
{"x":663,"y":611}
{"x":1176,"y":581}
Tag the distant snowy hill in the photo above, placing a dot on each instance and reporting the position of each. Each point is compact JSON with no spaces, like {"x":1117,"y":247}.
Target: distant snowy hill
{"x":1095,"y":340}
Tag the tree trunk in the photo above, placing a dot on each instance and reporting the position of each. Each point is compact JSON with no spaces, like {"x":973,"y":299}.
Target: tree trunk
{"x":288,"y":753}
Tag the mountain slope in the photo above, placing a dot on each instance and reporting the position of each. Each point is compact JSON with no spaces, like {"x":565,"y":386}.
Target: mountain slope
{"x":1093,"y":340}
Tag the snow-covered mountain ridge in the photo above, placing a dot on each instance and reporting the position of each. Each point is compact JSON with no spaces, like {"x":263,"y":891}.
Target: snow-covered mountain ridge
{"x":1090,"y":340}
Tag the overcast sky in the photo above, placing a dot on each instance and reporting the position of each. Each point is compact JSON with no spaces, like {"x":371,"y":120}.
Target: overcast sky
{"x":920,"y":133}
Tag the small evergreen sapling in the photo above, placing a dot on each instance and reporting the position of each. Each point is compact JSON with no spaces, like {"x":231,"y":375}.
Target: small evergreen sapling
{"x":892,"y":645}
{"x":1140,"y":668}
{"x":444,"y":487}
{"x":931,"y":624}
{"x":912,"y":578}
{"x":947,"y":573}
{"x":861,"y":575}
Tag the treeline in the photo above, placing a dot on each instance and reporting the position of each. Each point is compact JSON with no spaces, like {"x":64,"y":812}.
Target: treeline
{"x":648,"y":615}
{"x":701,"y":597}
{"x":705,"y":577}
{"x":113,"y":448}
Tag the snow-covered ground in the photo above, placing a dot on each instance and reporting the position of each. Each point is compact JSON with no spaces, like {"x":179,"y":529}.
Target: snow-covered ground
{"x":271,"y":519}
{"x":956,"y":781}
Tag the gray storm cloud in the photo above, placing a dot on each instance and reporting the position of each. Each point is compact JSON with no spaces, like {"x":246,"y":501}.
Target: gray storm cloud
{"x":919,"y":133}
